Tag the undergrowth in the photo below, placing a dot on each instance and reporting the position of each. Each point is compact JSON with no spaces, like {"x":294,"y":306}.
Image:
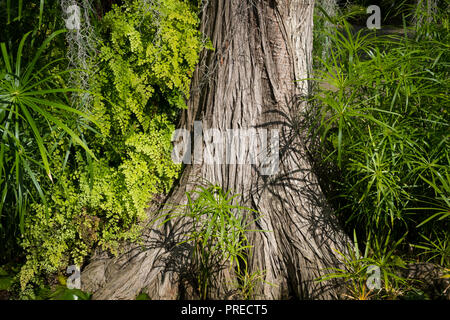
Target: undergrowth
{"x":380,"y":127}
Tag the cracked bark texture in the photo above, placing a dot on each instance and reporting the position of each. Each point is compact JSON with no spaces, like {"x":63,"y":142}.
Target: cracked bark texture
{"x":249,"y":81}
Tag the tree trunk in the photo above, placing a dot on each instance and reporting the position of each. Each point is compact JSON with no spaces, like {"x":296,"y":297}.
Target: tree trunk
{"x":248,"y":81}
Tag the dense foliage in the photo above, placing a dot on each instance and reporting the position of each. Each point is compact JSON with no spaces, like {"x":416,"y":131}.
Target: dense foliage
{"x":82,"y":179}
{"x":218,"y":237}
{"x":383,"y":122}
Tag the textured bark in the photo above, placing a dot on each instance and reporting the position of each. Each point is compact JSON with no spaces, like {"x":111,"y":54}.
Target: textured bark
{"x":249,"y":81}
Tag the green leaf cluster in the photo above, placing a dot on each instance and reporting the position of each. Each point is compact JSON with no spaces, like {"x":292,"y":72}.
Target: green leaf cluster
{"x":218,"y":236}
{"x":384,"y":125}
{"x":107,"y":166}
{"x":380,"y":119}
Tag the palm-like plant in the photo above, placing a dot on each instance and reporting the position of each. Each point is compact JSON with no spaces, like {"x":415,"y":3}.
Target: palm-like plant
{"x":31,"y":108}
{"x":218,"y":235}
{"x":384,"y":125}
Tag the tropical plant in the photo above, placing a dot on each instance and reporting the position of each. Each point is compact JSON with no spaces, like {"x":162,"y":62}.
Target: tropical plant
{"x":31,"y":109}
{"x":247,"y":282}
{"x":218,"y":234}
{"x":438,"y":249}
{"x":373,"y":274}
{"x":384,"y":130}
{"x":135,"y":99}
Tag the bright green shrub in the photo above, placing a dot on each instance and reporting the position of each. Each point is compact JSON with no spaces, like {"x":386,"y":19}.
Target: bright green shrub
{"x":47,"y":240}
{"x":145,"y":60}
